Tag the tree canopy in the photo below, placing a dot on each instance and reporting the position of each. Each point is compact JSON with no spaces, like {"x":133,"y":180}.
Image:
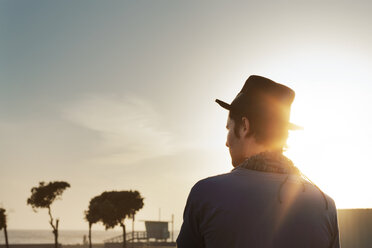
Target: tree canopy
{"x":93,"y":215}
{"x":112,"y":207}
{"x":44,"y":195}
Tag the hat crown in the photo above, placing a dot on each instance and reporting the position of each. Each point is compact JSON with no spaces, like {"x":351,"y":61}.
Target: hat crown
{"x":258,"y":85}
{"x":264,"y":98}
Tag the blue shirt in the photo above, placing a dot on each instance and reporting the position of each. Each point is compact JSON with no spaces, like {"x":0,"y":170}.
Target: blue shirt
{"x":247,"y":208}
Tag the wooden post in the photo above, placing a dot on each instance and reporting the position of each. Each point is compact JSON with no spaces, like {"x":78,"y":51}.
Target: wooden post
{"x":172,"y":226}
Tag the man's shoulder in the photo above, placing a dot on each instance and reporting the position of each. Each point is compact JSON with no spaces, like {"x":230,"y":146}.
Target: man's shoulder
{"x":212,"y":180}
{"x":330,"y":203}
{"x":316,"y":194}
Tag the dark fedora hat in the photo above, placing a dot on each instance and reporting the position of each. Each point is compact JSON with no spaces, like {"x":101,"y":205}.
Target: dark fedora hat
{"x":265,"y":98}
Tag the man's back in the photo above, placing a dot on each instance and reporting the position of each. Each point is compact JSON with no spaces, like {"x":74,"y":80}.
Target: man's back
{"x":247,"y":208}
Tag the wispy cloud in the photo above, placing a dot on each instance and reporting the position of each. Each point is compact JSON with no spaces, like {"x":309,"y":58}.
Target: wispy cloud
{"x":129,"y":127}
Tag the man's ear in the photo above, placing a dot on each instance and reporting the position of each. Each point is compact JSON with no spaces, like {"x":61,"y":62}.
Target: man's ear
{"x":245,"y":127}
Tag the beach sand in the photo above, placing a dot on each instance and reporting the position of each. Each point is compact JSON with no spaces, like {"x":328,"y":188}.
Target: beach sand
{"x":116,"y":245}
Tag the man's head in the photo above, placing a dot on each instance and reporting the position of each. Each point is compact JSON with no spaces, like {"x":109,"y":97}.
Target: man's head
{"x":246,"y":137}
{"x":258,"y":118}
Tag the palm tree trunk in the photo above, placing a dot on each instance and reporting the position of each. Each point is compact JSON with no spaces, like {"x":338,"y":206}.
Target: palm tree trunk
{"x":90,"y":235}
{"x":124,"y":236}
{"x":6,"y":237}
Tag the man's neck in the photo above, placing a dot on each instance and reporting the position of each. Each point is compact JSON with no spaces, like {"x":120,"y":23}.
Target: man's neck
{"x":256,"y":150}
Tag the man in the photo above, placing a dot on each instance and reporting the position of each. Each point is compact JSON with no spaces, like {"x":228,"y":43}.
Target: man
{"x":264,"y":201}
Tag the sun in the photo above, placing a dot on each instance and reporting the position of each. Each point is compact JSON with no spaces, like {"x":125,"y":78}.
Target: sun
{"x":319,"y":151}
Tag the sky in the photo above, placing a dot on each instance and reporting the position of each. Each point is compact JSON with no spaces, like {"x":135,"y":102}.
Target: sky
{"x":119,"y":95}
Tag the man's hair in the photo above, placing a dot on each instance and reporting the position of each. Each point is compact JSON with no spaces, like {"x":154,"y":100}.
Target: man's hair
{"x":266,"y":131}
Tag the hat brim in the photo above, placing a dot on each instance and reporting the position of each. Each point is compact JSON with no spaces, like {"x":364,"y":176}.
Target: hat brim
{"x":223,"y":104}
{"x":227,"y":106}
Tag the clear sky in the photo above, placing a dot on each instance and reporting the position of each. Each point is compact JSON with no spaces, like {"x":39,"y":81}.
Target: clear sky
{"x":119,"y":95}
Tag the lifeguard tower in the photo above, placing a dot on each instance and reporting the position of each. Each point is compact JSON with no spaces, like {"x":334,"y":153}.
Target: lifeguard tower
{"x":156,"y":234}
{"x":157,"y":230}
